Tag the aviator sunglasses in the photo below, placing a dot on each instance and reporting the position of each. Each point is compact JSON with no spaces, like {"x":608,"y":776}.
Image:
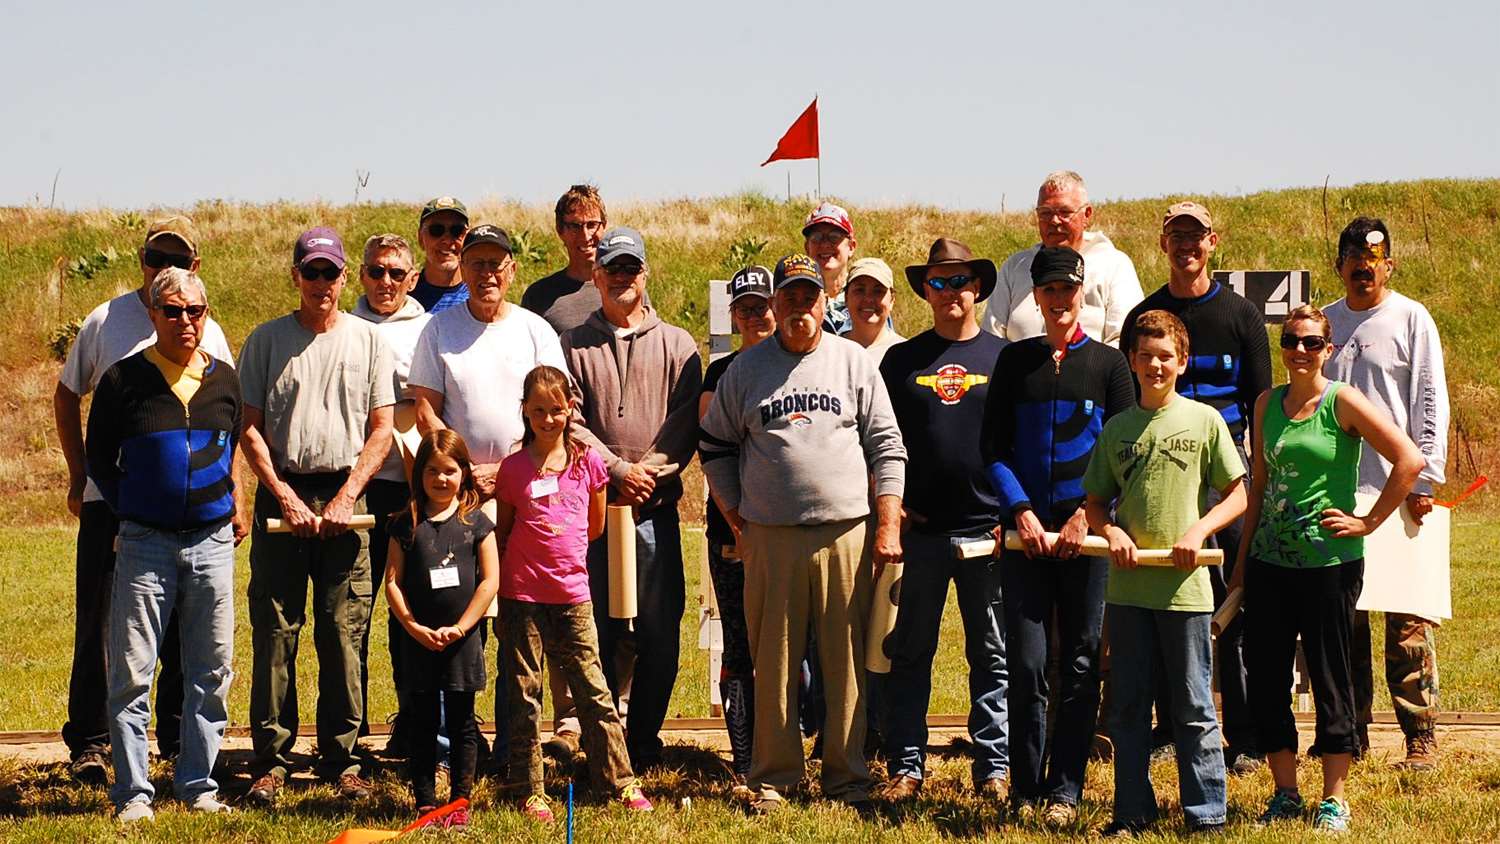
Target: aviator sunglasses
{"x":378,"y":273}
{"x":311,"y":273}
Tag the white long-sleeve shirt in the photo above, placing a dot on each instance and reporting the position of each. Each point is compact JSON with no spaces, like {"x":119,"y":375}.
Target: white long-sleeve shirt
{"x":1110,"y":290}
{"x":1392,"y":354}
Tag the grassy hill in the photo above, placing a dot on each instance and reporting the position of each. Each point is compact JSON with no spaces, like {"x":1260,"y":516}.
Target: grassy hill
{"x":1446,"y":239}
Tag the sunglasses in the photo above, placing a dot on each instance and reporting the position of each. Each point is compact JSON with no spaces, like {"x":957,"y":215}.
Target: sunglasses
{"x":1309,"y":342}
{"x":311,"y":273}
{"x":451,"y":230}
{"x":828,"y":238}
{"x":624,"y":270}
{"x":157,"y":259}
{"x":952,"y":282}
{"x":194,"y":312}
{"x":378,"y":273}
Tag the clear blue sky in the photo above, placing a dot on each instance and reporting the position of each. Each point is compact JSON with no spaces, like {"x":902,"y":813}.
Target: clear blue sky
{"x":164,"y":104}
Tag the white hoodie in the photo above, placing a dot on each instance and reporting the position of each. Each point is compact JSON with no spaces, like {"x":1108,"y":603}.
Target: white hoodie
{"x":1110,"y":290}
{"x":400,"y":330}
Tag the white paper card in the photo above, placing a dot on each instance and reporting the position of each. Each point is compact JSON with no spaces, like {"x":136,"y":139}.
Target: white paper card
{"x":1406,"y":565}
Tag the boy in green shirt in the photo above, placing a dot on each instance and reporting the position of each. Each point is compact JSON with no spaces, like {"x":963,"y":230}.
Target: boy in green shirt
{"x":1155,"y":463}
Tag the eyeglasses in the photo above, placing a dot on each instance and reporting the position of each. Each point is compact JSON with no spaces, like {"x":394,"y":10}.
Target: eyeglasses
{"x":827,"y":238}
{"x":1309,"y":342}
{"x":378,"y":272}
{"x":157,"y":259}
{"x":751,"y":310}
{"x":585,"y":227}
{"x":1064,"y":214}
{"x":478,"y":267}
{"x":311,"y":273}
{"x":438,"y":230}
{"x":952,"y":282}
{"x":1193,"y":236}
{"x":194,"y":312}
{"x":625,"y":270}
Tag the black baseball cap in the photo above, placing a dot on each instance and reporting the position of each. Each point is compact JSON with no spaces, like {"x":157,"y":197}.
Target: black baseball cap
{"x":486,"y":233}
{"x":1365,"y":235}
{"x":750,"y":281}
{"x":1056,"y":263}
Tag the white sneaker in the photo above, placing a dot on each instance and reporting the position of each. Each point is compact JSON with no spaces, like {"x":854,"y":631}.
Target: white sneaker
{"x":209,"y":804}
{"x":135,"y":810}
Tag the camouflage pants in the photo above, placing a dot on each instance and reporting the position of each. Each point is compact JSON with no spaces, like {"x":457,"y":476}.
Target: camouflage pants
{"x":566,"y":635}
{"x":1411,"y":670}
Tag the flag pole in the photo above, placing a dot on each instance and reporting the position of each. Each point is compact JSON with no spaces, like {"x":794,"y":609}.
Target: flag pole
{"x":820,"y":157}
{"x":789,"y":185}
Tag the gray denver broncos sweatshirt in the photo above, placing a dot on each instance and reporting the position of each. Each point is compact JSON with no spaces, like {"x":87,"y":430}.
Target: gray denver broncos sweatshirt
{"x":793,"y":439}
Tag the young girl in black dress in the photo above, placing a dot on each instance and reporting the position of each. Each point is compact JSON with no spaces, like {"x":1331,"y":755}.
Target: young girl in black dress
{"x":441,"y":574}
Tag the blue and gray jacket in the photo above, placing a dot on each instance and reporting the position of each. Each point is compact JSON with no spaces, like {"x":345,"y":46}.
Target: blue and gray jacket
{"x":1042,"y":416}
{"x":157,"y":462}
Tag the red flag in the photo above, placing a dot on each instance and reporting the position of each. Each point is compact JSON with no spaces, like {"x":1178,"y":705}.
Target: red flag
{"x":801,"y":140}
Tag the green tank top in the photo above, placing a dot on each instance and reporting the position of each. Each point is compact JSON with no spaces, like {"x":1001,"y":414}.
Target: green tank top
{"x":1311,"y":465}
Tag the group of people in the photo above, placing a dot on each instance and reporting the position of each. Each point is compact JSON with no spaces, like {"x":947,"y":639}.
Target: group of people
{"x":832,"y":448}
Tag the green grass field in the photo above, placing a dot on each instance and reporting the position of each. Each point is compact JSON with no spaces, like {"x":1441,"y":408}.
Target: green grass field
{"x":1461,"y":802}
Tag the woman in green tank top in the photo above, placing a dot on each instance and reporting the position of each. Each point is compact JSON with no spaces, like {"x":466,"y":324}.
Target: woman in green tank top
{"x":1305,"y":551}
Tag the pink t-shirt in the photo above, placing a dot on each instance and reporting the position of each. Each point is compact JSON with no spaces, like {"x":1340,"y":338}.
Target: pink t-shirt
{"x":546,"y":556}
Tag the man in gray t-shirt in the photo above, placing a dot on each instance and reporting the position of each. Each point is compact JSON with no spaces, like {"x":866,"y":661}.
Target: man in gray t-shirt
{"x":795,"y":431}
{"x":318,"y":388}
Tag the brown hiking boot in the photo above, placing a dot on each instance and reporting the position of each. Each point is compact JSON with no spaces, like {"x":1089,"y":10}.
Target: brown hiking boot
{"x":353,"y":787}
{"x":264,"y":790}
{"x":994,"y":788}
{"x":900,"y":788}
{"x":1421,"y":752}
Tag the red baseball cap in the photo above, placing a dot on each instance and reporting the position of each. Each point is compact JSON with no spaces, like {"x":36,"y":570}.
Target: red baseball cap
{"x":831,"y":214}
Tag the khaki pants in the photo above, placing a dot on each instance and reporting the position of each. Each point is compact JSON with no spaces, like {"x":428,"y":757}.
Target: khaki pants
{"x":796,"y":578}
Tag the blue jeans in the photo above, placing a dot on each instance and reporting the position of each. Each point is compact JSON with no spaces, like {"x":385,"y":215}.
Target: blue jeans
{"x":1034,"y":591}
{"x":155,"y":573}
{"x":930,"y":564}
{"x":1185,"y":649}
{"x":660,"y":600}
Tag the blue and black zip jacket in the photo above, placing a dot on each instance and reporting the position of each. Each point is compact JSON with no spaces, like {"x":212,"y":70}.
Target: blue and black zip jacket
{"x":156,"y":462}
{"x":1229,"y":358}
{"x":1042,"y":417}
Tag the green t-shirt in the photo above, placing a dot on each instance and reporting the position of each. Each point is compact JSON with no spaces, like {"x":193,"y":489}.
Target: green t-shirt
{"x":1159,"y":466}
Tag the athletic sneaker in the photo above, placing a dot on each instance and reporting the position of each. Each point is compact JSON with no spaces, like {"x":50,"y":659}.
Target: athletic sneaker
{"x":1332,"y":815}
{"x":135,"y":810}
{"x":537,"y":809}
{"x":1284,"y":805}
{"x":634,"y":798}
{"x":457,"y":819}
{"x":208,"y":803}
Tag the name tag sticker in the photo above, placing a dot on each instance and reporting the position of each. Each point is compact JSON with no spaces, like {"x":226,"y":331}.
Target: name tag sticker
{"x":543,"y":486}
{"x":443,"y":578}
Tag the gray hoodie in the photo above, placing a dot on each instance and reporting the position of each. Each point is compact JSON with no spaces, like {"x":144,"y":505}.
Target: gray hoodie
{"x":792,"y":439}
{"x":639,"y":395}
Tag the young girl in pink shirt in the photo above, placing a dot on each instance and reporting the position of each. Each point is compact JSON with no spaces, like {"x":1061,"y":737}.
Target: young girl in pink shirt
{"x":550,"y":501}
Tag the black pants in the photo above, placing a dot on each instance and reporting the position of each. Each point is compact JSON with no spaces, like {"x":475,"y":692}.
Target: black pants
{"x":87,"y":727}
{"x":1317,"y":603}
{"x":420,"y":713}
